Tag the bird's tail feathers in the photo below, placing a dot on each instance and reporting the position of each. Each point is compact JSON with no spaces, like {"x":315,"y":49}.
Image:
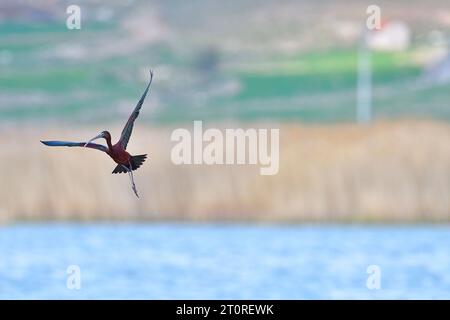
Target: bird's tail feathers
{"x":136,"y":162}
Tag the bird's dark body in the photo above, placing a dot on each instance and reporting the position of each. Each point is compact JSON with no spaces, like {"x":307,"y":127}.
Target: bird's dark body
{"x":123,"y":158}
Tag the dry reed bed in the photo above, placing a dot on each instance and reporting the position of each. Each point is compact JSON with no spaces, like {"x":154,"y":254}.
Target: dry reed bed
{"x":390,"y":171}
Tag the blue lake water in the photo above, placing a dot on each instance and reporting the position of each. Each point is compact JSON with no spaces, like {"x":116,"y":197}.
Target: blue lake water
{"x":203,"y":261}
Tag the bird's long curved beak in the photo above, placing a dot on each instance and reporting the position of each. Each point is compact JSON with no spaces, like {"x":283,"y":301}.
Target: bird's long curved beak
{"x":95,"y":138}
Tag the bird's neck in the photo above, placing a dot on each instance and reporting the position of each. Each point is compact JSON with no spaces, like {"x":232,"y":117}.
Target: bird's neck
{"x":108,"y":142}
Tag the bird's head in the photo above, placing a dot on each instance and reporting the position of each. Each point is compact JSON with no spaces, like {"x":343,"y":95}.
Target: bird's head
{"x":104,"y":134}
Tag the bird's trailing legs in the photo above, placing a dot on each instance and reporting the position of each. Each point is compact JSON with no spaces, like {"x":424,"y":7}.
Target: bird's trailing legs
{"x":130,"y":173}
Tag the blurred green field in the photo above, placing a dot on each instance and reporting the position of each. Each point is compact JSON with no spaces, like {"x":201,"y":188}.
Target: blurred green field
{"x":316,"y":86}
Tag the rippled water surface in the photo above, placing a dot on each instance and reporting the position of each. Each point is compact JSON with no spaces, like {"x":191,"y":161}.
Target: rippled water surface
{"x":190,"y":261}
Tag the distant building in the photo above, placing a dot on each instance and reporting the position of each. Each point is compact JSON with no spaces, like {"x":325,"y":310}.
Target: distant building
{"x":393,"y":36}
{"x":38,"y":10}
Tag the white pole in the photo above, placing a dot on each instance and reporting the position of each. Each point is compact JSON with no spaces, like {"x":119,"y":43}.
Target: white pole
{"x":364,"y":85}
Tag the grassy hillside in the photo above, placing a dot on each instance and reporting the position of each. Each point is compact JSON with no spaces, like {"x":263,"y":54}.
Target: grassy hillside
{"x":266,"y":66}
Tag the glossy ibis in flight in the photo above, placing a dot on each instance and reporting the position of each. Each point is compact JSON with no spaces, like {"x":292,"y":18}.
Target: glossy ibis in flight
{"x":125,"y":161}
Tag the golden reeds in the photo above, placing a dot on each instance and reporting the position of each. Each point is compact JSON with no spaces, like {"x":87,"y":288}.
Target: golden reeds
{"x":390,"y":171}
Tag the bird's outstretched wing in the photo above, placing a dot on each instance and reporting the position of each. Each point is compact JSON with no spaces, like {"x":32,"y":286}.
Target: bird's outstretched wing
{"x":128,"y":129}
{"x":75,"y":144}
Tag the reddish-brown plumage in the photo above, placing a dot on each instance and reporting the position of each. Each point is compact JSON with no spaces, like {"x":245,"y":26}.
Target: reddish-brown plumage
{"x":117,"y":151}
{"x":119,"y":155}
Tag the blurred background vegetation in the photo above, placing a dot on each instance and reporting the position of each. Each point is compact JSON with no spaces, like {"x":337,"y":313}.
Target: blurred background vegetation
{"x":247,"y":59}
{"x":285,"y":64}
